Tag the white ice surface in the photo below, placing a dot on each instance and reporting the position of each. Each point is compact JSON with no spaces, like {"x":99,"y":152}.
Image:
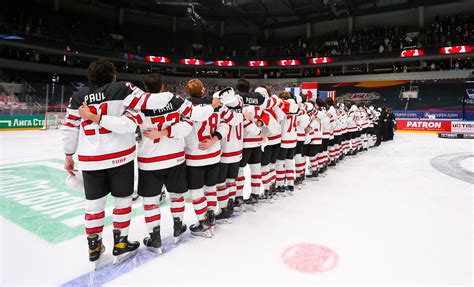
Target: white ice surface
{"x":390,"y":217}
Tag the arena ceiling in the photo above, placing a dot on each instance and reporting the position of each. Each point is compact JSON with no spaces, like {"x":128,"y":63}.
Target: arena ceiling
{"x":271,"y":13}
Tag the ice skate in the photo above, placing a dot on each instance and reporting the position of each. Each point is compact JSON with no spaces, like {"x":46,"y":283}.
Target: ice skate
{"x":153,"y":243}
{"x":230,"y":207}
{"x":179,"y":230}
{"x":96,"y":248}
{"x":290,"y":190}
{"x":265,"y":197}
{"x":251,"y":202}
{"x":123,"y":249}
{"x":238,"y":204}
{"x":211,"y":220}
{"x":302,"y":178}
{"x":271,"y":192}
{"x":224,"y":216}
{"x":280,"y":191}
{"x":202,"y":228}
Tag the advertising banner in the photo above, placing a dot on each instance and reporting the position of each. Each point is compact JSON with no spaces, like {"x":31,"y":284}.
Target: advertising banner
{"x":21,"y":122}
{"x":417,"y":114}
{"x":462,"y":127}
{"x":424,"y":125}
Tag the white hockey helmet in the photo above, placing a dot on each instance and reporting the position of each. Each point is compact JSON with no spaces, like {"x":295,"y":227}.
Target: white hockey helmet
{"x":262,"y":91}
{"x":227,"y":97}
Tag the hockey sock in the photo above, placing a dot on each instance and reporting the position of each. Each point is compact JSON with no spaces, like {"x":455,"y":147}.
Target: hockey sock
{"x":256,"y":178}
{"x":332,"y":153}
{"x":122,"y":214}
{"x":211,"y":197}
{"x":177,"y":205}
{"x":272,"y":173}
{"x":314,"y":163}
{"x":95,"y":216}
{"x":280,"y":173}
{"x":151,"y":207}
{"x":240,"y":182}
{"x":230,"y":182}
{"x":199,"y":203}
{"x":222,"y":195}
{"x":266,"y":177}
{"x":290,"y":172}
{"x":300,"y":165}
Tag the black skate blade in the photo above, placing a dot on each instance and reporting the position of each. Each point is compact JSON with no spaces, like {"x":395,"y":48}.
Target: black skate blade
{"x":205,"y":234}
{"x":123,"y":257}
{"x":213,"y":229}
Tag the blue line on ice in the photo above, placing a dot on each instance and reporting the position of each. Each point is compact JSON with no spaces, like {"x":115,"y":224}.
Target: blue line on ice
{"x":109,"y":272}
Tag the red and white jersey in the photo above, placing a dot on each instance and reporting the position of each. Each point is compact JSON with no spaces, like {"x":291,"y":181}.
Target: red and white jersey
{"x":255,"y":105}
{"x":215,"y":124}
{"x":343,"y":121}
{"x":325,"y":124}
{"x":288,"y":130}
{"x":233,"y":144}
{"x":364,"y":119}
{"x":372,"y":117}
{"x":111,"y":143}
{"x":352,"y":118}
{"x":303,"y":120}
{"x":277,"y":115}
{"x":336,"y":124}
{"x":315,"y":136}
{"x":168,"y":151}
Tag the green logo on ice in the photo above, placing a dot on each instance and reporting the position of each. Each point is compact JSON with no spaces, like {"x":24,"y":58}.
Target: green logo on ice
{"x":35,"y":196}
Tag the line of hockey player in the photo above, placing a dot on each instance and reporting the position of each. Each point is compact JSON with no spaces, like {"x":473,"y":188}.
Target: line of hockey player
{"x":202,"y":145}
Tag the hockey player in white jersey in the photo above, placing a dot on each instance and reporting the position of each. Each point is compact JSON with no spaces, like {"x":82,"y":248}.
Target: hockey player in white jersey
{"x":232,"y":146}
{"x":255,"y":105}
{"x":303,"y":120}
{"x":364,"y":122}
{"x":323,"y":115}
{"x":203,"y":154}
{"x":105,"y":146}
{"x":313,"y":140}
{"x":333,"y":146}
{"x":285,"y":168}
{"x":353,"y":128}
{"x":345,"y":144}
{"x":271,"y":149}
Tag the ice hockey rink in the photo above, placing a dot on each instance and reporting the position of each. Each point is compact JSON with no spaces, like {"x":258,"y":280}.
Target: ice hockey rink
{"x":397,"y":214}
